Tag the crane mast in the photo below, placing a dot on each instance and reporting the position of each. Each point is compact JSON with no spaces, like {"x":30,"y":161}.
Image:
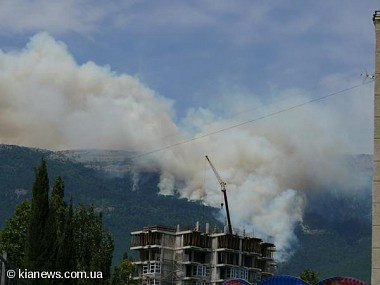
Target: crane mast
{"x":223,"y":189}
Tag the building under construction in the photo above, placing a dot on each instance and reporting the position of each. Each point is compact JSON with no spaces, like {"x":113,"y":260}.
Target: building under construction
{"x":169,"y":255}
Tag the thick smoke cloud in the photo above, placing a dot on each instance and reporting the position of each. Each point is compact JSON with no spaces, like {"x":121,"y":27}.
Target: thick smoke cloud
{"x":48,"y":100}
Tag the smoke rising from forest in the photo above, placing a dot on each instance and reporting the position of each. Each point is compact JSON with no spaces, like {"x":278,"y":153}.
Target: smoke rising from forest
{"x":47,"y":100}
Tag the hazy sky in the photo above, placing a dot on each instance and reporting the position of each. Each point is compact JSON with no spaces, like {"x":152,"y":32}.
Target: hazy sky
{"x":151,"y":75}
{"x":196,"y":51}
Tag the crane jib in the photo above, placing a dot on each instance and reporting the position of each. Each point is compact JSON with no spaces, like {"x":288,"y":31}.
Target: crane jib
{"x":223,"y":189}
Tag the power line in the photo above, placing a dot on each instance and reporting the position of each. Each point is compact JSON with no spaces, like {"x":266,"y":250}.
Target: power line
{"x":250,"y":121}
{"x":233,"y":115}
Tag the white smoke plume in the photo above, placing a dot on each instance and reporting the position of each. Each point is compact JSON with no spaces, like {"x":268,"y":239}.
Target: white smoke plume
{"x":48,"y":100}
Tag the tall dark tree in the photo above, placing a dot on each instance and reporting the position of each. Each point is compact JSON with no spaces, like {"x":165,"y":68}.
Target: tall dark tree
{"x":66,"y":255}
{"x":58,"y":238}
{"x":34,"y":259}
{"x":58,"y":206}
{"x":94,"y":246}
{"x":13,"y":235}
{"x":55,"y":223}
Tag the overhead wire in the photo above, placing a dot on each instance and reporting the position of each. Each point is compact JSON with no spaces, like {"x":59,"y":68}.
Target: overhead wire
{"x":233,"y":115}
{"x":186,"y":141}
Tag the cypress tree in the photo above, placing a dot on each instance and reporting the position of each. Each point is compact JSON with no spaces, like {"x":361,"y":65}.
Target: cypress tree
{"x":34,"y":260}
{"x":66,"y":255}
{"x":62,"y":239}
{"x":54,"y":225}
{"x":58,"y":205}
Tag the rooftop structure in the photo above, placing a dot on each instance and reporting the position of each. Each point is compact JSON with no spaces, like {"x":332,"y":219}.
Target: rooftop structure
{"x":169,"y":255}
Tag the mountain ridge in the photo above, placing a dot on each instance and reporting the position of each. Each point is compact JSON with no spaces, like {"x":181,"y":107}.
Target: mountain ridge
{"x":335,"y":228}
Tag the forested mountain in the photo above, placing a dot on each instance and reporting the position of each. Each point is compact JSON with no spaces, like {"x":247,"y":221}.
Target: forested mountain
{"x":334,"y":238}
{"x":341,"y":249}
{"x":125,"y":208}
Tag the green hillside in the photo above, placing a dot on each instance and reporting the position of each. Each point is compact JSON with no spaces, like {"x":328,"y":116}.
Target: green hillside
{"x":333,"y":240}
{"x":331,"y":253}
{"x":123,"y":210}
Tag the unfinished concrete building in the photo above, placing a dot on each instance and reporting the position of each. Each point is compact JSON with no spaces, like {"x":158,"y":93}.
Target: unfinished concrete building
{"x":193,"y":257}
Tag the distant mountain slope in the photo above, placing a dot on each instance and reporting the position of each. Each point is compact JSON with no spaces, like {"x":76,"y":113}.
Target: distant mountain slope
{"x":331,"y":251}
{"x":124,"y":210}
{"x":334,"y":238}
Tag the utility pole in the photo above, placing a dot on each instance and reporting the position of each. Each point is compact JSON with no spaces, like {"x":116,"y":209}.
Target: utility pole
{"x":375,"y":264}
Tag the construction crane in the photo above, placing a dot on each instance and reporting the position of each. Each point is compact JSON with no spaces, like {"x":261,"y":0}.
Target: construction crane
{"x":223,"y":188}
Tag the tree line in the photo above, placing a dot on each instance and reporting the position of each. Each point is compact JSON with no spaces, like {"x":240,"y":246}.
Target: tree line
{"x":47,"y":235}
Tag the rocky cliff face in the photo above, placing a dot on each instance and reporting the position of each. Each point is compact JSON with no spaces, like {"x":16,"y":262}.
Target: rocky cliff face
{"x":115,"y":162}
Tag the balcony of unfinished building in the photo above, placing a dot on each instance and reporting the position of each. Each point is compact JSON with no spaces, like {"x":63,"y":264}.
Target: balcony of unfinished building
{"x":197,"y":273}
{"x":251,"y":246}
{"x":233,"y":272}
{"x":146,"y":239}
{"x":149,"y":255}
{"x":268,"y":273}
{"x":251,"y":263}
{"x":228,"y":242}
{"x":196,"y":241}
{"x":195,"y":257}
{"x":268,"y":268}
{"x":153,"y":236}
{"x":268,"y":251}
